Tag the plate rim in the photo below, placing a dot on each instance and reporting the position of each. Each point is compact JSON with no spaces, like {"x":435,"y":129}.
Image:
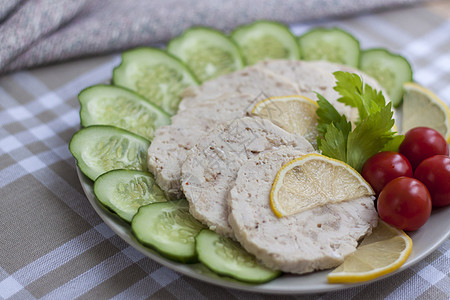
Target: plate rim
{"x":114,"y":222}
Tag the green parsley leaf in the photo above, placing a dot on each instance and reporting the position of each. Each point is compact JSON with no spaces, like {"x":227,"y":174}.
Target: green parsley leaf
{"x":350,"y":87}
{"x":328,"y":114}
{"x":329,"y":123}
{"x":334,"y":143}
{"x":372,"y":134}
{"x":375,"y":96}
{"x":355,"y":94}
{"x":369,"y":137}
{"x":394,"y":143}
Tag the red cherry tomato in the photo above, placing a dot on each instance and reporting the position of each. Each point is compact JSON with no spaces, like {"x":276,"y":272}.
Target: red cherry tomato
{"x":434,"y":172}
{"x":421,"y":143}
{"x":405,"y":203}
{"x":385,"y":166}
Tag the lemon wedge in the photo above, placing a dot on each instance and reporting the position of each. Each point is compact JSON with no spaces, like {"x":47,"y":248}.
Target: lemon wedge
{"x":314,"y":180}
{"x":295,"y":114}
{"x":423,"y":108}
{"x":380,"y":253}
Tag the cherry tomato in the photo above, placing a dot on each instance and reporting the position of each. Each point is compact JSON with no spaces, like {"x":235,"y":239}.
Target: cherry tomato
{"x":405,"y":203}
{"x":434,"y":172}
{"x":421,"y":143}
{"x":385,"y":166}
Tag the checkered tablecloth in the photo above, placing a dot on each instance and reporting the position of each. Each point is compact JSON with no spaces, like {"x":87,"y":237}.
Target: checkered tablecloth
{"x":54,"y":246}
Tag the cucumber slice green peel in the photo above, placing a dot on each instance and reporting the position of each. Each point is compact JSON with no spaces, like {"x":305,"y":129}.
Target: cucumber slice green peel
{"x":207,"y":52}
{"x":120,"y":107}
{"x":265,"y":40}
{"x":330,"y":44}
{"x":389,"y":69}
{"x":124,"y":191}
{"x":156,"y":75}
{"x":168,"y":228}
{"x":100,"y":148}
{"x":227,"y":257}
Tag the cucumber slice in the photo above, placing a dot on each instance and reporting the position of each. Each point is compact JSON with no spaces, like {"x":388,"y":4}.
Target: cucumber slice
{"x":227,"y":257}
{"x":207,"y":52}
{"x":330,"y":44}
{"x":116,"y":106}
{"x":391,"y":70}
{"x":169,"y":228}
{"x":156,"y":75}
{"x":100,"y":148}
{"x":264,"y":40}
{"x":124,"y":191}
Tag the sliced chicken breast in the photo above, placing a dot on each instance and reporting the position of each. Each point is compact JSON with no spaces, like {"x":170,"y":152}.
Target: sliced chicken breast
{"x":212,"y":165}
{"x":317,"y":76}
{"x":316,"y":239}
{"x":258,"y":82}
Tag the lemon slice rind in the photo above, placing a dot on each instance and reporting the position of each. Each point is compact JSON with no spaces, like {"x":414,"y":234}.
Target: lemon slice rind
{"x":307,"y":198}
{"x":423,"y":117}
{"x":340,"y":275}
{"x":295,"y":114}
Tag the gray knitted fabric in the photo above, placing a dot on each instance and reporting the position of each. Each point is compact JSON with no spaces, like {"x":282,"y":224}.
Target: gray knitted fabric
{"x":37,"y":32}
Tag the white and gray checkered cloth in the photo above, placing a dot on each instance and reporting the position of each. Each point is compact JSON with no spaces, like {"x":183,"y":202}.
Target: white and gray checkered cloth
{"x":54,"y":246}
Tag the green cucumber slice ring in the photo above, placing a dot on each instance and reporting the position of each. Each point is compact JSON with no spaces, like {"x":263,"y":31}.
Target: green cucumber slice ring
{"x":207,"y":52}
{"x":168,"y":228}
{"x":124,"y":191}
{"x":156,"y":75}
{"x":119,"y":107}
{"x":265,"y":40}
{"x":227,"y":257}
{"x":100,"y":148}
{"x":330,"y":44}
{"x":389,"y":69}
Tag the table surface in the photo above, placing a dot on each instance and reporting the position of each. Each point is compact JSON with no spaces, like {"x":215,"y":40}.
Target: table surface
{"x":54,"y":245}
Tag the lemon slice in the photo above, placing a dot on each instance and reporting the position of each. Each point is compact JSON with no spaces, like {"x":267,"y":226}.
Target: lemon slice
{"x":423,"y":108}
{"x":314,"y":180}
{"x":380,"y":253}
{"x":295,"y":114}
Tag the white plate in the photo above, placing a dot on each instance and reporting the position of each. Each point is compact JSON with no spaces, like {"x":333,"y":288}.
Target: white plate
{"x":425,"y":241}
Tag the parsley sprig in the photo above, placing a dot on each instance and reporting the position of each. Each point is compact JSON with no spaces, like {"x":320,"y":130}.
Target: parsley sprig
{"x":373,"y":131}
